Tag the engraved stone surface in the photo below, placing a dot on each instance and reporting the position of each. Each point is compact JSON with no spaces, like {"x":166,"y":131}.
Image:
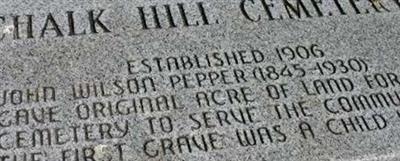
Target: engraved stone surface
{"x":199,"y":80}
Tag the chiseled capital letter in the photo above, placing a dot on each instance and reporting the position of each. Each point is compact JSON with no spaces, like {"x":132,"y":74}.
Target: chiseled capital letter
{"x":2,"y":19}
{"x":245,"y":13}
{"x":93,"y":20}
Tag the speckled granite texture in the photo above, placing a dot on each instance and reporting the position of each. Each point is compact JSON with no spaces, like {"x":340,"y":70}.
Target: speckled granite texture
{"x":199,"y":80}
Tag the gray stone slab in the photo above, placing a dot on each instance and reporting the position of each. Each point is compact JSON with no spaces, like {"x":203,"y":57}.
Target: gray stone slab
{"x":199,"y":80}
